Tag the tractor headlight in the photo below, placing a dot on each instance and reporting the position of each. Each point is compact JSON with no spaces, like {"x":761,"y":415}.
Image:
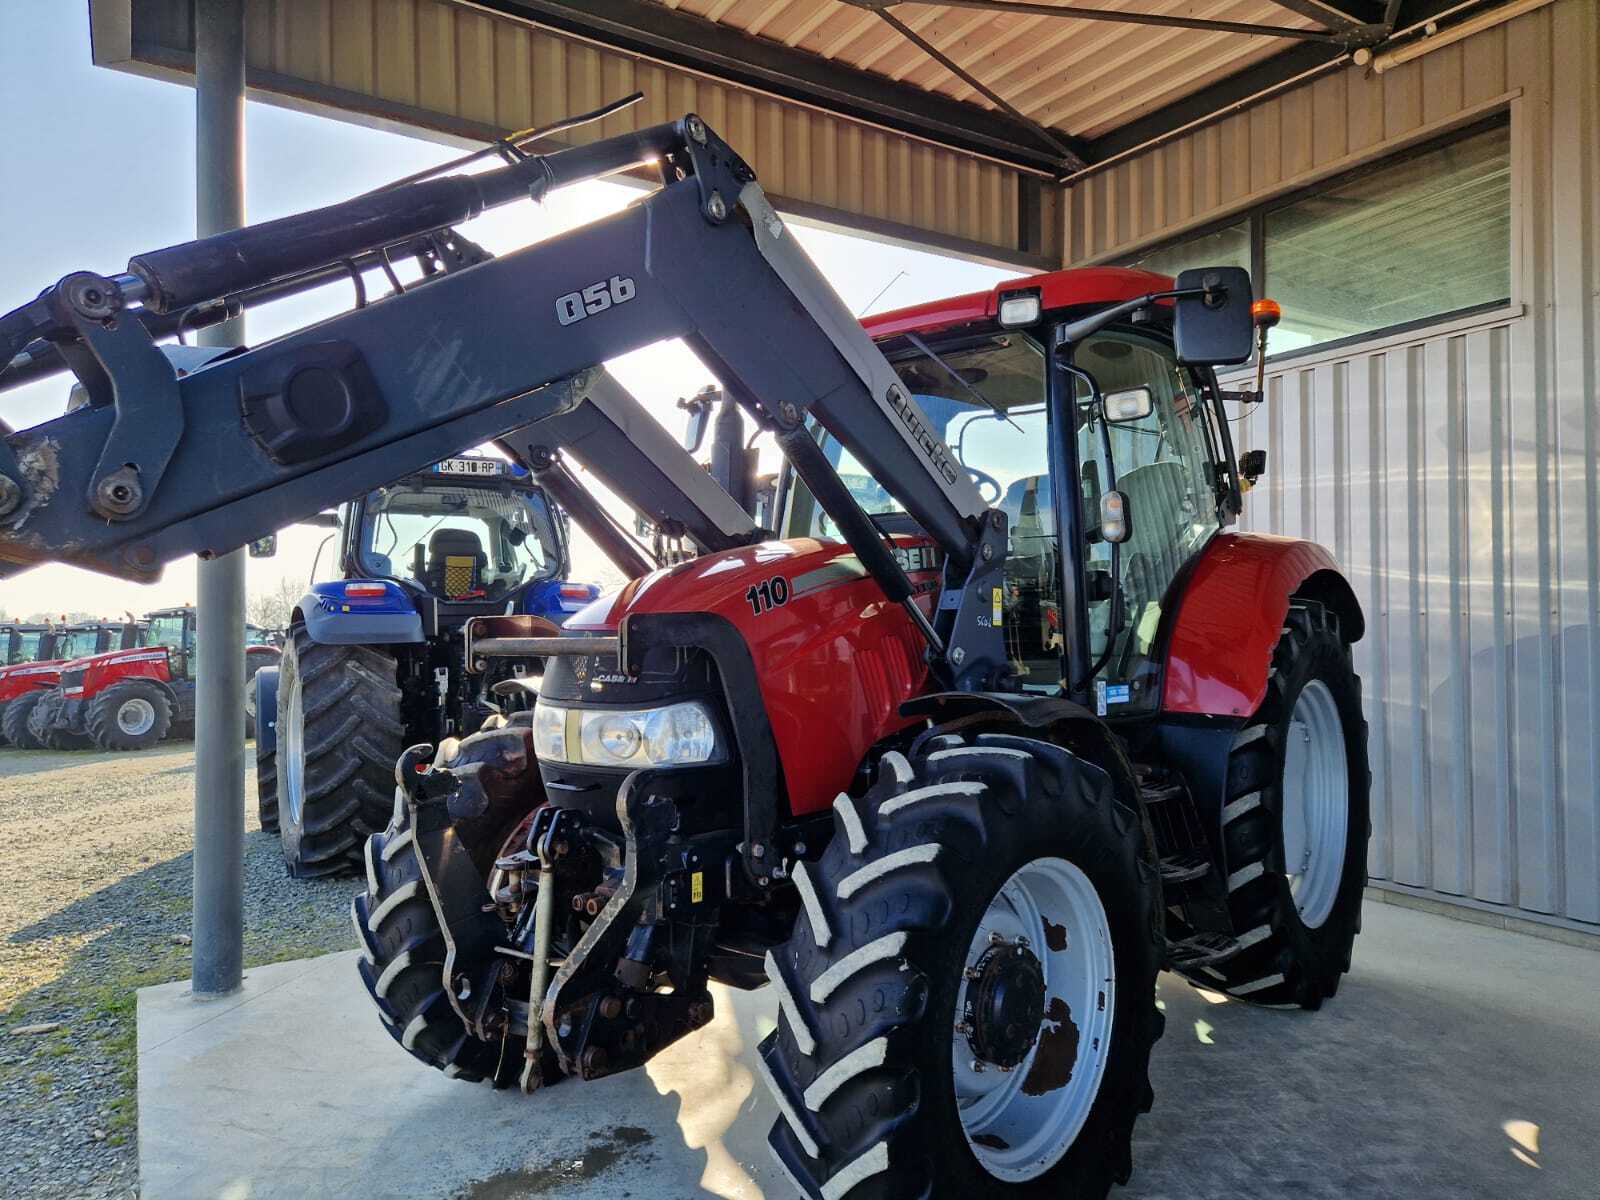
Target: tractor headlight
{"x":675,"y":735}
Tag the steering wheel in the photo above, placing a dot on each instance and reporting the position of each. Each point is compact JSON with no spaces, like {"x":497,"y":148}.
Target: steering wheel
{"x":983,"y":479}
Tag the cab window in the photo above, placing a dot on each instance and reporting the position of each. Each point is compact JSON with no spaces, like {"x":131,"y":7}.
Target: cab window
{"x":994,"y":418}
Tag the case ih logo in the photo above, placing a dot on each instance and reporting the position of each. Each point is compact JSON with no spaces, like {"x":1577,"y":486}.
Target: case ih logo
{"x":596,"y":298}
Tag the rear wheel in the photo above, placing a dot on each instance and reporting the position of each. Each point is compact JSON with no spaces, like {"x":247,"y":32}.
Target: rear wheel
{"x":132,"y":715}
{"x":14,"y":721}
{"x":967,"y":1002}
{"x":339,"y":734}
{"x":1296,"y":821}
{"x":262,"y":690}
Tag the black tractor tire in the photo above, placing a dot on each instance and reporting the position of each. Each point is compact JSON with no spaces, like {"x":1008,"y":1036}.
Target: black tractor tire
{"x":1286,"y":963}
{"x":402,"y":957}
{"x":14,"y":722}
{"x":132,"y":715}
{"x":267,"y":788}
{"x":350,"y":735}
{"x":892,"y":1127}
{"x":250,"y":708}
{"x":45,"y":732}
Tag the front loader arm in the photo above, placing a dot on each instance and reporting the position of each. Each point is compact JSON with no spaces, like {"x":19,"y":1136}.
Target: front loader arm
{"x":158,"y":465}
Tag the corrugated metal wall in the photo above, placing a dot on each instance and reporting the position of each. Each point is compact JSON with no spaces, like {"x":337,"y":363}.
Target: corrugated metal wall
{"x":1453,"y":470}
{"x":440,"y":65}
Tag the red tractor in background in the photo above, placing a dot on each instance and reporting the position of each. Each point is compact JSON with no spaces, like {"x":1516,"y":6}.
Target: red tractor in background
{"x":133,"y":698}
{"x":34,"y":656}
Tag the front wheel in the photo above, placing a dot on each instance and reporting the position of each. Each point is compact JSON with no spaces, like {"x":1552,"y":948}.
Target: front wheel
{"x":967,"y":1002}
{"x":134,"y":715}
{"x":14,"y":722}
{"x":1296,"y":821}
{"x":46,"y":729}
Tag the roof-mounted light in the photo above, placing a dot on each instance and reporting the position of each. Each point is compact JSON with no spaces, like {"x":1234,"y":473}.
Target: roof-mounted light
{"x":1019,"y":308}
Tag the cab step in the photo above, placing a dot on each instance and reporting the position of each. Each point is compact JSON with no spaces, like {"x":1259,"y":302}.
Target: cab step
{"x":1201,"y":950}
{"x":1184,"y":868}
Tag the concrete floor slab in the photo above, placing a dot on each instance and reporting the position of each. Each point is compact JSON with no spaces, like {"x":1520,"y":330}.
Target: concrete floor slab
{"x":1457,"y":1061}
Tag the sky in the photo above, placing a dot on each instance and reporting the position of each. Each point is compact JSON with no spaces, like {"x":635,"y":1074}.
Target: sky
{"x":98,"y":165}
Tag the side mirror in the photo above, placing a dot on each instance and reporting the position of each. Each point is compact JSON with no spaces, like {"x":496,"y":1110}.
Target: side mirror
{"x":1216,"y":328}
{"x":264,"y":547}
{"x":1252,"y":466}
{"x":695,"y":432}
{"x":698,"y":406}
{"x":1130,"y":404}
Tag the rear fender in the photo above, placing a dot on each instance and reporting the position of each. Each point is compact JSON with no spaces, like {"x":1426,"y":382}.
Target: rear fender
{"x":1231,"y":614}
{"x":333,"y":617}
{"x":265,"y":682}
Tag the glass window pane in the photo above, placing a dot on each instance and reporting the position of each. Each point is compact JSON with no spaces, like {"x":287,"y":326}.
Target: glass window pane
{"x":1416,"y":239}
{"x":1228,"y":247}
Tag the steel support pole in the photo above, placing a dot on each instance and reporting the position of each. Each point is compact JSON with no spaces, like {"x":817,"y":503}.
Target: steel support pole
{"x":219,"y":675}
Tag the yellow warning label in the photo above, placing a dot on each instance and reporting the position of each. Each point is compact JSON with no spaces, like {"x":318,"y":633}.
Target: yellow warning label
{"x":998,"y":608}
{"x":697,"y":887}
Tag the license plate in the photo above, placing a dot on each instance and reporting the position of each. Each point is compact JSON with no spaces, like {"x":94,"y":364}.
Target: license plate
{"x":469,"y":466}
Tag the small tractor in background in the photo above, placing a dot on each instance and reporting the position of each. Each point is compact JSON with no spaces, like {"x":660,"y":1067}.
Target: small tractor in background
{"x":373,"y":662}
{"x":133,"y":698}
{"x":41,"y":652}
{"x":1003,"y":722}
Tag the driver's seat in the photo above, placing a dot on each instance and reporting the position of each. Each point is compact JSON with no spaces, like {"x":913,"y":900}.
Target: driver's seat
{"x":456,"y":561}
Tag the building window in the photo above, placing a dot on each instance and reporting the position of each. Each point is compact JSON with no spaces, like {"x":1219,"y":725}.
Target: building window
{"x":1225,"y":247}
{"x":1418,"y":237}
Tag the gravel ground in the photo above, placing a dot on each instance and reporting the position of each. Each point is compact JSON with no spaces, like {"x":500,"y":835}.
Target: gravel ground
{"x":97,"y":851}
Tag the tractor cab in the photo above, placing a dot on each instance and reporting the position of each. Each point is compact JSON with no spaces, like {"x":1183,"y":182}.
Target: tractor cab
{"x":1110,"y":459}
{"x":470,"y":530}
{"x":26,"y":643}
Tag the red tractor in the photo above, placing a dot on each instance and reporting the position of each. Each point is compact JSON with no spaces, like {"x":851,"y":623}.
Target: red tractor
{"x":34,"y":656}
{"x":1000,"y":719}
{"x":131,"y":699}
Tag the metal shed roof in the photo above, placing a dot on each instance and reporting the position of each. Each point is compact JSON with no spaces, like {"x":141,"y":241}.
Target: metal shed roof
{"x":948,"y":124}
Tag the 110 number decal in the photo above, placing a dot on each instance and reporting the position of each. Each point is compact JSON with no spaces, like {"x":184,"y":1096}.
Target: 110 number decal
{"x":767,"y":595}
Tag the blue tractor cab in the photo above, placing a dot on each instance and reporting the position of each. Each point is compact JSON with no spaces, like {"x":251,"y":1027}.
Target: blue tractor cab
{"x":374,"y":661}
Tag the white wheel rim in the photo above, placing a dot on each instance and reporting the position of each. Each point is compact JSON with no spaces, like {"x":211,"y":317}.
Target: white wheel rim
{"x":250,"y":698}
{"x":291,"y":760}
{"x":1018,"y":1136}
{"x":136,"y":716}
{"x":1316,"y":803}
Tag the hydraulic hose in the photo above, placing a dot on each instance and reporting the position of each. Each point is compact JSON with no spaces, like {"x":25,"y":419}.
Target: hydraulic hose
{"x":194,"y":272}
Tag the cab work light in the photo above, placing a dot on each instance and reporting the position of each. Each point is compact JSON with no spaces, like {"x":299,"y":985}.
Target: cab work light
{"x":1019,"y":308}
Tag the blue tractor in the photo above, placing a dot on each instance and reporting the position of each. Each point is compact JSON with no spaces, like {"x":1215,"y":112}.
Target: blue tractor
{"x":374,"y":662}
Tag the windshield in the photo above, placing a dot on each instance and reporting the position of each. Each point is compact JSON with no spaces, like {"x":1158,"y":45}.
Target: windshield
{"x":254,"y":635}
{"x":459,"y":541}
{"x":27,"y":648}
{"x":1003,"y":452}
{"x":77,"y":643}
{"x":168,"y":631}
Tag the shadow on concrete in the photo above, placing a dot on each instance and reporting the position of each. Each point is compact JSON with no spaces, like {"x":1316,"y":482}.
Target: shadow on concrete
{"x":1457,"y":1061}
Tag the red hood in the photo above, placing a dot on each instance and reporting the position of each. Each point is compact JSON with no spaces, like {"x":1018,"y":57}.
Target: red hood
{"x":709,"y":583}
{"x":49,"y":666}
{"x":131,"y":654}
